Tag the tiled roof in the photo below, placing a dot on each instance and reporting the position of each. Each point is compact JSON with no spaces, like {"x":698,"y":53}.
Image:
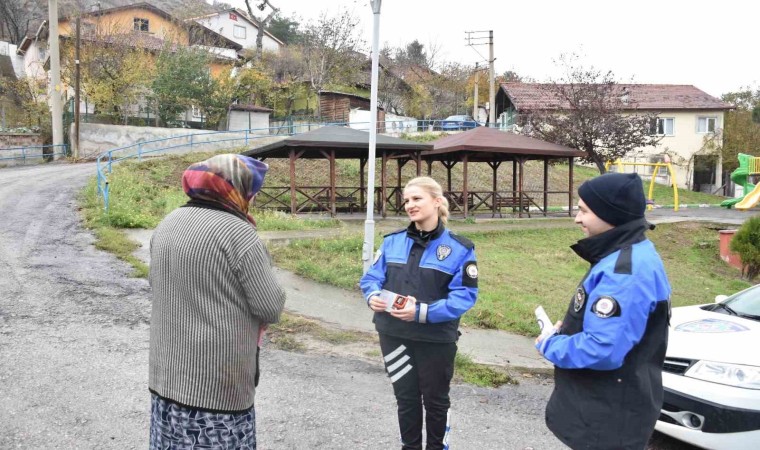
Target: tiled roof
{"x":660,"y":97}
{"x":491,"y":144}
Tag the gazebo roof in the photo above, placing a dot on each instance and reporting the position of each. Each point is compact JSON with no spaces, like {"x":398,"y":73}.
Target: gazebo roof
{"x":490,"y":144}
{"x":348,"y":143}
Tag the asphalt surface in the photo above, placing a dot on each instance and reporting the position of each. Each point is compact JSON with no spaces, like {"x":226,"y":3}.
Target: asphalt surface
{"x":74,"y":349}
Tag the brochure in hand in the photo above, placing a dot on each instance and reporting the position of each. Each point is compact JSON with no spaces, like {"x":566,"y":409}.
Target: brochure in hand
{"x":544,"y":324}
{"x":393,"y":300}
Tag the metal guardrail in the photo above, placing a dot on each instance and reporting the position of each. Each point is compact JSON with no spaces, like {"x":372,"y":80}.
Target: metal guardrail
{"x":106,"y":159}
{"x":28,"y":153}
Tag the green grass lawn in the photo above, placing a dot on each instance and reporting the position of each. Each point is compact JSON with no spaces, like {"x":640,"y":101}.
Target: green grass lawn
{"x":523,"y":268}
{"x":515,"y":278}
{"x":143,"y":193}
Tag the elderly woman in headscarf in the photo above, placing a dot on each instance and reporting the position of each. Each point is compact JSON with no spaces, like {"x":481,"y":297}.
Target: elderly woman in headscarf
{"x":214,"y":292}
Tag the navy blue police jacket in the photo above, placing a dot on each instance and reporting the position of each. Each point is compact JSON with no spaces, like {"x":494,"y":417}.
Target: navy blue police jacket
{"x":438,"y":268}
{"x":609,"y":351}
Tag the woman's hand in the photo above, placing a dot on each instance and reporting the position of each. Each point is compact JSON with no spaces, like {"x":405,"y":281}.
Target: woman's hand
{"x":376,"y":304}
{"x":408,"y":313}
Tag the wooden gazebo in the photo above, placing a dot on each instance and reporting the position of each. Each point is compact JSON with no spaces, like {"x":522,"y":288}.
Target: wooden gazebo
{"x":331,"y":143}
{"x":494,"y":147}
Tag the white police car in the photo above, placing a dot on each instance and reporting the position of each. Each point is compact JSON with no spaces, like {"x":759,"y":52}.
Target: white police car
{"x":711,"y":374}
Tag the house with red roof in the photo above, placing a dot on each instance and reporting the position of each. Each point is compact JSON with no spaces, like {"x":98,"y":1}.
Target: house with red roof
{"x":689,"y":122}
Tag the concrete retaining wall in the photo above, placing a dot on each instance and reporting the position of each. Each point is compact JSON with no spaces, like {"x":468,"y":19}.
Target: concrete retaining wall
{"x":20,"y":156}
{"x":97,"y":138}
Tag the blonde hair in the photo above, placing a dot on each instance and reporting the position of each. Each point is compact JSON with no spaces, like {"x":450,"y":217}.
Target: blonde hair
{"x":432,"y":187}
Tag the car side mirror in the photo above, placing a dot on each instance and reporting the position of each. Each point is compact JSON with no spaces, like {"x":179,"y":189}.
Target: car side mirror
{"x":720,"y":298}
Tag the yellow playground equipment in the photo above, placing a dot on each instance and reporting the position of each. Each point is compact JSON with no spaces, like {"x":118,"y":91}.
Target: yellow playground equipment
{"x":655,"y":169}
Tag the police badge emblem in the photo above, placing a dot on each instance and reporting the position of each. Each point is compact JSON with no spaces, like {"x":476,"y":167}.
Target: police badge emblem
{"x":579,"y":300}
{"x":442,"y":252}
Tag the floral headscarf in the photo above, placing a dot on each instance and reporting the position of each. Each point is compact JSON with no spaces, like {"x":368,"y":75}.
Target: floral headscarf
{"x":228,"y":181}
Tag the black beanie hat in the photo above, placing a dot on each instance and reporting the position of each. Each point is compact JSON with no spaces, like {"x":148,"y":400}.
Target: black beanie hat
{"x":616,"y":198}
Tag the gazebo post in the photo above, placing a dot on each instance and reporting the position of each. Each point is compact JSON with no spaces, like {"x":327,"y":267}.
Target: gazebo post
{"x":465,"y":194}
{"x":570,"y":187}
{"x":448,"y":165}
{"x":495,"y":185}
{"x":400,"y":164}
{"x":514,"y":182}
{"x":331,"y":157}
{"x":520,"y":194}
{"x":418,"y":160}
{"x":546,"y":183}
{"x":430,"y":167}
{"x":383,"y":180}
{"x":362,"y":163}
{"x":292,"y":155}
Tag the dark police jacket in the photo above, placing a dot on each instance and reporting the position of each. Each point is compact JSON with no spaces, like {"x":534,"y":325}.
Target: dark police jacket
{"x":609,"y":352}
{"x":438,"y":268}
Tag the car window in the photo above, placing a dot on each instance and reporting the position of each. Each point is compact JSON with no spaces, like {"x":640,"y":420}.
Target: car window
{"x":746,"y":302}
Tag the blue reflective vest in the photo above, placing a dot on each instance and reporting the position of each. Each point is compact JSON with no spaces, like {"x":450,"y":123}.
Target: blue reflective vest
{"x":609,"y":352}
{"x":439,"y":270}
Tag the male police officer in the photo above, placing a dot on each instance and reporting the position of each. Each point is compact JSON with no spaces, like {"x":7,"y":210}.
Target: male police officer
{"x":609,"y":350}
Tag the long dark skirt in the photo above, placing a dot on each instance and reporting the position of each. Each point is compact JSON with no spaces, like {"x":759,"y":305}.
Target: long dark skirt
{"x":176,"y":427}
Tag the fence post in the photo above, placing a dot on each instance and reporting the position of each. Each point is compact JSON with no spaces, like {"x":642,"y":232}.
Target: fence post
{"x":191,"y":141}
{"x":23,"y":155}
{"x":139,"y":152}
{"x":246,"y":137}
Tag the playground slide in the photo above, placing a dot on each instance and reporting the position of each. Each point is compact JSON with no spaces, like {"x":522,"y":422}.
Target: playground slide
{"x":750,"y":199}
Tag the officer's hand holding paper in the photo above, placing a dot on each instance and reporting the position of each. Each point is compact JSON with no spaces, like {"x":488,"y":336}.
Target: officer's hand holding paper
{"x":544,"y":326}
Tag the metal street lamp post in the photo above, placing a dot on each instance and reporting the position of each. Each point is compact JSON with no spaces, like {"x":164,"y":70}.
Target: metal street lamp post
{"x":369,"y":224}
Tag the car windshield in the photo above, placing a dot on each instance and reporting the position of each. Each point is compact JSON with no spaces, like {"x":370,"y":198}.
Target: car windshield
{"x":745,"y":303}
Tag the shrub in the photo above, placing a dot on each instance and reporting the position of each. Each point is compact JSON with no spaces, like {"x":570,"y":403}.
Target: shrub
{"x":746,"y":243}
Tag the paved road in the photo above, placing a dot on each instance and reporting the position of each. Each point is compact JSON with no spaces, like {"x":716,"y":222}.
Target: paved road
{"x":74,"y":346}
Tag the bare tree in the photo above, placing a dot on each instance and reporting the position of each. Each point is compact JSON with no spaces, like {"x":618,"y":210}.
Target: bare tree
{"x":261,"y":24}
{"x":590,"y":111}
{"x":16,"y":18}
{"x":330,"y":50}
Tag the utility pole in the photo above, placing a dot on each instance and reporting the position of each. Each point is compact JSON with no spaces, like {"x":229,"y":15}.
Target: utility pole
{"x":491,"y":83}
{"x":76,"y":93}
{"x":475,"y":38}
{"x":55,"y":73}
{"x":475,"y":94}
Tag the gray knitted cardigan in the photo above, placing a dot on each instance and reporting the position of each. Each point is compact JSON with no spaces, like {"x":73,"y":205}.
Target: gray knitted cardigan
{"x":213,"y":285}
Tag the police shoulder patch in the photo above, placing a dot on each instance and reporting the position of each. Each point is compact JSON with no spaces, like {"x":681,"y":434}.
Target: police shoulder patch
{"x":605,"y":307}
{"x":470,"y":274}
{"x":468,"y":244}
{"x":579,"y":299}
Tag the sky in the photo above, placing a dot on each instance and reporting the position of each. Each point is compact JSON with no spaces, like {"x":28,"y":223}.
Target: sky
{"x":709,"y":44}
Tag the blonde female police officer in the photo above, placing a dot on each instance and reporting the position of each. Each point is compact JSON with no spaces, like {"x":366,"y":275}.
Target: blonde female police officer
{"x":438,"y":270}
{"x":609,"y":349}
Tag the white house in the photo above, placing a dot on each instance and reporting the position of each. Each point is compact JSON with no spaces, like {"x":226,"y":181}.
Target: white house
{"x":249,"y":117}
{"x":33,"y":50}
{"x":689,"y":122}
{"x":234,"y":24}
